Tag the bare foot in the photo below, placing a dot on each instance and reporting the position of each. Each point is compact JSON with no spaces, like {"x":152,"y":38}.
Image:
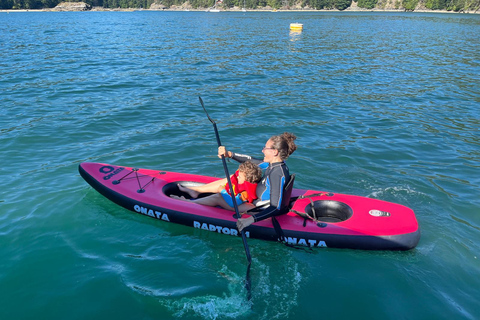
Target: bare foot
{"x":192,"y":193}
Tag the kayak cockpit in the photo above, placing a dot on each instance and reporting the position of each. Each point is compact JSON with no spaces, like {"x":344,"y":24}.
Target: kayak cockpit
{"x":171,"y":189}
{"x":329,"y":211}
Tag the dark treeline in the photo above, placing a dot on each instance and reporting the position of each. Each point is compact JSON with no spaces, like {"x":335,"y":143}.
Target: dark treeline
{"x":450,"y":5}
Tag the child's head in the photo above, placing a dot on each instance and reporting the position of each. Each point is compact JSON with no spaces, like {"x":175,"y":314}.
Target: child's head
{"x":251,"y":171}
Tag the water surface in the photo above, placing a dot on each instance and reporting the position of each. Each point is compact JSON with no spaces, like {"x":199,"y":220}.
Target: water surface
{"x":385,"y":105}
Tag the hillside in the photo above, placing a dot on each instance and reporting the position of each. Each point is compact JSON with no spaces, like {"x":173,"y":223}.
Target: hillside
{"x":464,"y":6}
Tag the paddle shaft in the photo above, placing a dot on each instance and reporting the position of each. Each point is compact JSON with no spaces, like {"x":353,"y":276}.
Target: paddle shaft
{"x":227,"y":174}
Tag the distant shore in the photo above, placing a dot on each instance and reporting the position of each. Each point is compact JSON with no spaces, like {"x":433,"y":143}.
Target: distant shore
{"x":237,"y":9}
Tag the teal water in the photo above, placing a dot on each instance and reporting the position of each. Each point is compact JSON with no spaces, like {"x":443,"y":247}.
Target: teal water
{"x":385,"y":105}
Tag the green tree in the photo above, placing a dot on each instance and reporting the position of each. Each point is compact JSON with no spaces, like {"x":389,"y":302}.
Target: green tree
{"x":18,"y":4}
{"x":230,"y":3}
{"x":436,"y":4}
{"x":367,"y":4}
{"x":342,"y":4}
{"x":409,"y":5}
{"x":459,"y":5}
{"x":6,"y":4}
{"x":33,"y":4}
{"x":50,"y":3}
{"x":320,"y":4}
{"x":274,"y":3}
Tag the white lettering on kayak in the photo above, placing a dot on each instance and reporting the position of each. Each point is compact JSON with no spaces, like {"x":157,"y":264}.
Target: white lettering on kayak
{"x":219,"y":229}
{"x":151,"y":213}
{"x":303,"y":242}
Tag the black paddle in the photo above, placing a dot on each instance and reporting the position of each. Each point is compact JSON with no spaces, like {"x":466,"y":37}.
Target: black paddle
{"x":237,"y":215}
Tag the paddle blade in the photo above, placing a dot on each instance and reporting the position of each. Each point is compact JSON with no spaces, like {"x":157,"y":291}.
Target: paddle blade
{"x":248,"y":283}
{"x":203,"y":106}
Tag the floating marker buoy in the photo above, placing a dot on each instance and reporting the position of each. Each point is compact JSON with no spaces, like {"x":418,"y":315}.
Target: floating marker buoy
{"x":296,"y":26}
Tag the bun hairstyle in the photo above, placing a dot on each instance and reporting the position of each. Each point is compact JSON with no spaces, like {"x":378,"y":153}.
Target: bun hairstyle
{"x":290,"y":137}
{"x":284,"y":144}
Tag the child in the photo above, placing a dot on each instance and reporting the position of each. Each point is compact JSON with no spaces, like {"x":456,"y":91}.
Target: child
{"x":244,"y":183}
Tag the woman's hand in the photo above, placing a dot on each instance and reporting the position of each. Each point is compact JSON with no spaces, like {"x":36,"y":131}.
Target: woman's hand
{"x":222,"y":151}
{"x":243,"y":223}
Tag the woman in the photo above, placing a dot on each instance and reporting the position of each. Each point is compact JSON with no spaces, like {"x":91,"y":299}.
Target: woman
{"x":276,"y":176}
{"x":270,"y":189}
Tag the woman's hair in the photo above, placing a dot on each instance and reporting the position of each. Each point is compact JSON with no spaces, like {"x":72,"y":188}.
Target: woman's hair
{"x":284,"y":144}
{"x":252,"y":172}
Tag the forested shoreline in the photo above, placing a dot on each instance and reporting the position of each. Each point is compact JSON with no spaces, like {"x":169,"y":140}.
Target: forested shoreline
{"x":472,"y":6}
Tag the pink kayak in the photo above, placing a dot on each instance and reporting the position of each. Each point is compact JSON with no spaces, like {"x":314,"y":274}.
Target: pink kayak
{"x":315,"y":219}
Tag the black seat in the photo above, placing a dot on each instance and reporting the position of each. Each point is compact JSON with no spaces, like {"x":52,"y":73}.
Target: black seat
{"x":287,"y":194}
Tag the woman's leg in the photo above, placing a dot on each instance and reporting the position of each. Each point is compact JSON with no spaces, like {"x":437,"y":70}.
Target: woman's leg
{"x":212,"y":187}
{"x":244,"y":207}
{"x":217,"y":200}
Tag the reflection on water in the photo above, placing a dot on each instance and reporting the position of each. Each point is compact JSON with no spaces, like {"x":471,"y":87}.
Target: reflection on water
{"x":295,"y":35}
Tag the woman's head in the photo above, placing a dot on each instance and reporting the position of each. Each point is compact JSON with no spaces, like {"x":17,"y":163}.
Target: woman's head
{"x":252,"y":172}
{"x":284,"y":144}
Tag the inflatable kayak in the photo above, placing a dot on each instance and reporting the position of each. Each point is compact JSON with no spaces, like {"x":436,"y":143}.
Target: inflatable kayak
{"x":315,"y":218}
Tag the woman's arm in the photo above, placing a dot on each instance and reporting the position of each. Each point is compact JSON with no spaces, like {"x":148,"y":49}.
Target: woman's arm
{"x":236,"y":156}
{"x":243,"y":157}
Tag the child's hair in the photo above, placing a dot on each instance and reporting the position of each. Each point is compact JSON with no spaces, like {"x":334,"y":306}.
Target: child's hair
{"x":252,"y":172}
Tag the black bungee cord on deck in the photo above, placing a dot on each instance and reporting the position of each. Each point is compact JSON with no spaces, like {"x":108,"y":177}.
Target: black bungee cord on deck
{"x":141,"y":188}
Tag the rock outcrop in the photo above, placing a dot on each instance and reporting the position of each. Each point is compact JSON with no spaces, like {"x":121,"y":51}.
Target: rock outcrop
{"x":72,"y":6}
{"x":157,"y":6}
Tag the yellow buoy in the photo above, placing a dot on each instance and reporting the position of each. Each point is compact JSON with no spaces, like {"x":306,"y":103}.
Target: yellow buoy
{"x":296,"y":26}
